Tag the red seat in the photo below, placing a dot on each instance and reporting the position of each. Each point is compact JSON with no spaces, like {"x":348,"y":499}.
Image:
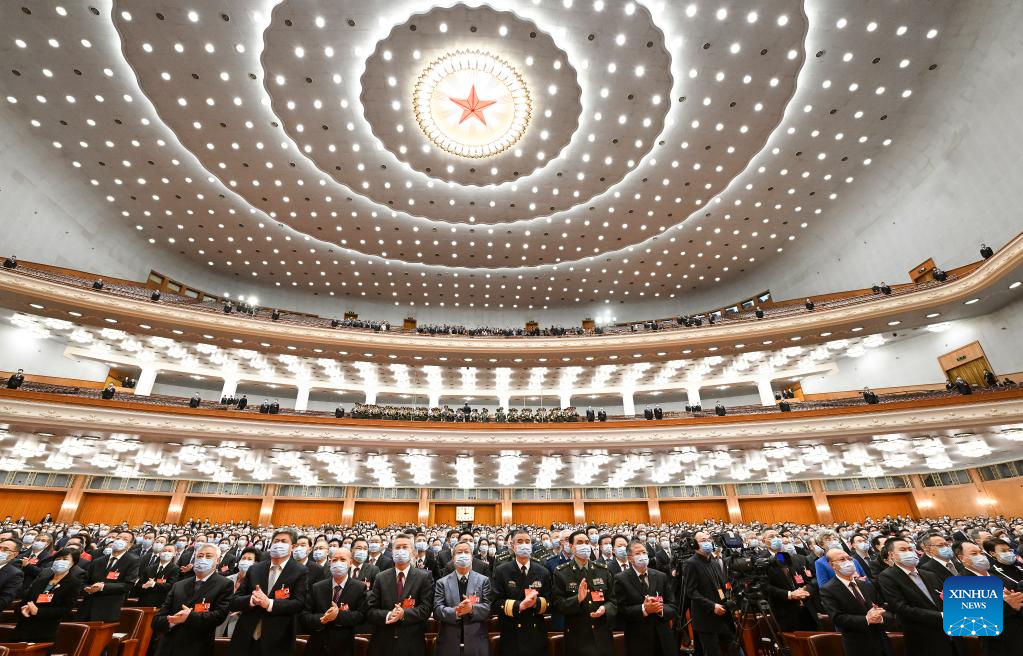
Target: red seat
{"x":556,"y":645}
{"x":798,"y":642}
{"x":898,"y":644}
{"x":361,"y":645}
{"x":72,"y":638}
{"x":826,"y":644}
{"x":495,"y":645}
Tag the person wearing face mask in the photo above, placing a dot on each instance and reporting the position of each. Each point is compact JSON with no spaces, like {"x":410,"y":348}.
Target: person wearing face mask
{"x":188,"y":555}
{"x":705,"y":589}
{"x":156,"y":580}
{"x":271,"y":596}
{"x":914,"y":596}
{"x":246,"y":560}
{"x":335,"y":608}
{"x":854,"y":607}
{"x":228,"y":557}
{"x":398,"y":605}
{"x":619,"y":561}
{"x":461,"y":606}
{"x":11,"y":576}
{"x":976,"y":563}
{"x":450,"y":540}
{"x":646,"y":606}
{"x":860,"y":552}
{"x":1005,"y":564}
{"x":109,"y":580}
{"x":788,"y":585}
{"x":584,"y":593}
{"x":194,"y":608}
{"x":362,"y":570}
{"x":378,"y":555}
{"x":564,"y":552}
{"x":520,"y":595}
{"x":940,"y":559}
{"x":424,"y":558}
{"x":303,"y":556}
{"x":829,"y":540}
{"x":479,"y":564}
{"x":36,"y":558}
{"x":322,"y":553}
{"x":49,"y":600}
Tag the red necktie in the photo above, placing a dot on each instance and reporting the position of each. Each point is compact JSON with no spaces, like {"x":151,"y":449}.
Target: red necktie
{"x":401,"y":585}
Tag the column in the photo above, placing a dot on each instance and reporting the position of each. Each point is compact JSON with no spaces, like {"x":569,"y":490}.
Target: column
{"x":266,"y":508}
{"x":820,"y":499}
{"x":923,"y":497}
{"x":348,"y":510}
{"x":566,"y":398}
{"x":371,"y":397}
{"x":69,"y":507}
{"x":423,"y":516}
{"x":302,"y":399}
{"x":693,"y":394}
{"x":230,"y":388}
{"x":734,"y":509}
{"x":766,"y":392}
{"x":578,"y":506}
{"x":434,"y":398}
{"x":504,"y":399}
{"x":628,"y":405}
{"x":177,"y":502}
{"x":653,"y":505}
{"x":506,"y":506}
{"x":147,"y":377}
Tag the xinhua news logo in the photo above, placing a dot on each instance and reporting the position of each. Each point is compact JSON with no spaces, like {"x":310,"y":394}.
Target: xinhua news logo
{"x":972,"y":605}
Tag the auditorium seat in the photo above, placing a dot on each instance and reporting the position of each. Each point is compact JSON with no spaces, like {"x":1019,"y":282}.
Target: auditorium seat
{"x":101,"y":634}
{"x":898,"y":644}
{"x":495,"y":645}
{"x":826,"y":644}
{"x":220,"y":648}
{"x":299,"y":649}
{"x":825,"y":623}
{"x":798,"y":642}
{"x":619,"y":638}
{"x":494,"y":625}
{"x":556,"y":645}
{"x":431,"y":643}
{"x":361,"y":645}
{"x":431,"y":625}
{"x":72,"y":638}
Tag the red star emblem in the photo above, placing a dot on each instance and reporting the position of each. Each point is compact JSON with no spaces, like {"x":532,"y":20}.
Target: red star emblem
{"x":472,"y":106}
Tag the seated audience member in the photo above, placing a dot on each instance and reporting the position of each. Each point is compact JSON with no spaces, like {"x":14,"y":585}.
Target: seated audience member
{"x":16,"y":380}
{"x":986,"y":251}
{"x":11,"y":577}
{"x":941,"y":561}
{"x":11,"y":262}
{"x":49,"y":599}
{"x":829,"y":540}
{"x":914,"y":596}
{"x":809,"y":304}
{"x":97,"y":284}
{"x":461,"y":605}
{"x":869,"y":396}
{"x":784,"y":406}
{"x":194,"y":607}
{"x":109,"y":391}
{"x":335,"y":608}
{"x":1006,"y":565}
{"x":962,"y":386}
{"x":719,"y":409}
{"x":108,"y":580}
{"x":976,"y":563}
{"x":194,"y":401}
{"x":854,"y":607}
{"x":36,"y":558}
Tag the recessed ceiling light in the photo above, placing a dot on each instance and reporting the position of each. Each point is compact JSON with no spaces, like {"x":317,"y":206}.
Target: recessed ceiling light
{"x":1015,"y":284}
{"x":894,"y":323}
{"x":109,"y":320}
{"x":933,"y":314}
{"x":857,"y":329}
{"x":36,"y":306}
{"x":972,"y":301}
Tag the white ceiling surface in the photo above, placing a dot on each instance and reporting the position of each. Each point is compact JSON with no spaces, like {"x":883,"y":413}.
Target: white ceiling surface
{"x":126,"y":455}
{"x":211,"y":162}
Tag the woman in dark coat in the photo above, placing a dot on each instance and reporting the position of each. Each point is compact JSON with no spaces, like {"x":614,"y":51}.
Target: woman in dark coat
{"x":49,"y":600}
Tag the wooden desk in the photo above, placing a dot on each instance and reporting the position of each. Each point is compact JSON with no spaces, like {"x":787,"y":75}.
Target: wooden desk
{"x":28,"y":648}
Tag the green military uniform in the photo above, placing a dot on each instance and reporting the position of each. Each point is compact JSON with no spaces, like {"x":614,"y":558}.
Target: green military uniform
{"x":585,"y":635}
{"x":523,"y":632}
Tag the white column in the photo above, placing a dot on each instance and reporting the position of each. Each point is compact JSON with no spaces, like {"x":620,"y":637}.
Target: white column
{"x":144,"y":386}
{"x":230,"y":387}
{"x":302,"y":399}
{"x":504,"y":399}
{"x":693,"y":394}
{"x":628,"y":405}
{"x":434,"y":398}
{"x":566,"y":398}
{"x":371,"y":396}
{"x":766,"y":393}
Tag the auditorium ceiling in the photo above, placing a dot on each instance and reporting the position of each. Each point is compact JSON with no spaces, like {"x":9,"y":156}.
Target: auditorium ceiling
{"x":506,"y":154}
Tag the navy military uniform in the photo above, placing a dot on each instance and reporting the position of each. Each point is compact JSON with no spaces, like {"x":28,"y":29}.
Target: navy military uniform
{"x":584,"y":634}
{"x":523,"y":632}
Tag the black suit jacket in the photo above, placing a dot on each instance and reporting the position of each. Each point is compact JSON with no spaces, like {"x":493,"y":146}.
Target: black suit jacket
{"x":940,"y":571}
{"x":406,"y":637}
{"x":782,"y":578}
{"x":523,"y":632}
{"x":1010,"y":641}
{"x":31,"y":566}
{"x":384,"y":561}
{"x":196,"y":636}
{"x":164,"y":577}
{"x":278,"y":623}
{"x":42,"y":627}
{"x":649,"y":635}
{"x":338,"y":637}
{"x":317,"y":572}
{"x":920,"y":616}
{"x":704,"y":587}
{"x":118,"y":581}
{"x":11,"y":579}
{"x":850,"y":617}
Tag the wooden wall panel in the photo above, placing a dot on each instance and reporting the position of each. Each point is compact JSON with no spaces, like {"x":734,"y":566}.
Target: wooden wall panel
{"x":384,"y":513}
{"x":772,"y":510}
{"x":855,"y":507}
{"x":694,"y":511}
{"x":221,"y":509}
{"x":542,"y":514}
{"x":306,"y":513}
{"x":31,"y":504}
{"x":616,"y":512}
{"x":444,"y":513}
{"x":117,"y":508}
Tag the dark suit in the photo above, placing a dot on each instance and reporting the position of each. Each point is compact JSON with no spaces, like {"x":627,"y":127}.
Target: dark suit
{"x":42,"y":627}
{"x":1010,"y":641}
{"x":195,"y":636}
{"x":317,"y":572}
{"x":11,"y":580}
{"x":366,"y":573}
{"x":584,"y":634}
{"x":277,"y":625}
{"x":705,"y":588}
{"x":646,"y":635}
{"x":940,"y":571}
{"x":615,"y":568}
{"x":406,"y":637}
{"x":164,"y":577}
{"x":919,"y":615}
{"x":782,"y":578}
{"x":383,"y":561}
{"x":523,"y":632}
{"x":338,"y":637}
{"x":32,"y":565}
{"x":105,"y":605}
{"x":850,"y":617}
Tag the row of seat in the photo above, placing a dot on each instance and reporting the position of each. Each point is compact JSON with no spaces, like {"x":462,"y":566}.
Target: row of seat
{"x":128,"y":637}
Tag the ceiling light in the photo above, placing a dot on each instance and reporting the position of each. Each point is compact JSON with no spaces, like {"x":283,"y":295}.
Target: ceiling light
{"x":933,"y":314}
{"x":1016,"y":284}
{"x":193,"y":16}
{"x":972,"y":301}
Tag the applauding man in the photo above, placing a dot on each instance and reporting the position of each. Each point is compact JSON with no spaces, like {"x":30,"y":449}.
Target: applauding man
{"x":336,"y":607}
{"x":645,"y":602}
{"x":194,"y":608}
{"x":584,"y":592}
{"x":400,"y":602}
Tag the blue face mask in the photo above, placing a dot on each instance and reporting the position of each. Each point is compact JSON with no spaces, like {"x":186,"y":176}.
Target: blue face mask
{"x":359,"y":555}
{"x":908,"y":558}
{"x":641,"y":561}
{"x":547,"y":544}
{"x":707,"y":547}
{"x":435,"y":548}
{"x":146,"y":543}
{"x":847,"y":568}
{"x":279,"y":549}
{"x":463,"y":560}
{"x":524,"y":550}
{"x":60,"y":566}
{"x":420,"y":546}
{"x":594,"y":538}
{"x":776,"y":544}
{"x":980,"y":562}
{"x":339,"y":568}
{"x":202,"y":565}
{"x":244,"y":565}
{"x":946,"y":552}
{"x":582,"y":551}
{"x":401,"y":556}
{"x":621,"y":552}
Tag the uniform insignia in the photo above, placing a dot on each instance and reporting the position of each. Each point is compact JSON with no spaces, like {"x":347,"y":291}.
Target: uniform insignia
{"x":562,"y":566}
{"x":598,"y":581}
{"x":512,"y":583}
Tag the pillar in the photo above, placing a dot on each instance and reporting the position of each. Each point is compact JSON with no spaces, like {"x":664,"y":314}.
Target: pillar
{"x":348,"y":510}
{"x":302,"y":399}
{"x":566,"y":398}
{"x":230,"y":388}
{"x":371,"y":397}
{"x":506,"y":506}
{"x":693,"y":394}
{"x":732,"y":499}
{"x":73,"y":497}
{"x":177,"y":502}
{"x":653,"y":505}
{"x":147,"y":378}
{"x":820,"y":499}
{"x":434,"y":398}
{"x":423,"y":516}
{"x":628,"y":405}
{"x":266,"y":508}
{"x":766,"y":392}
{"x":504,"y":399}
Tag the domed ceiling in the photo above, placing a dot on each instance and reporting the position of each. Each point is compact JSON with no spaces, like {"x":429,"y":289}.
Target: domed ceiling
{"x":512,"y":154}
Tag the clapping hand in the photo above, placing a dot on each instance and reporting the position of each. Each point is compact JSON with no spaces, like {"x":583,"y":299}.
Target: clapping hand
{"x":259,"y":598}
{"x":652,"y":606}
{"x":148,"y":584}
{"x":180,"y":616}
{"x":29,"y":609}
{"x":530,"y":599}
{"x":583,"y":591}
{"x":396,"y":614}
{"x":330,"y":615}
{"x":875,"y":615}
{"x":463,"y":608}
{"x":599,"y":612}
{"x":1014,"y":599}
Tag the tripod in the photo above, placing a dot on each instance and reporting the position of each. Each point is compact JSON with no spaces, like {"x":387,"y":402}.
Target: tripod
{"x":771,"y":642}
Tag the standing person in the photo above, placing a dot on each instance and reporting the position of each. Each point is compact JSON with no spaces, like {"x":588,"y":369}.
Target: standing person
{"x":854,"y":607}
{"x":705,"y":587}
{"x":915,"y":598}
{"x":646,"y":606}
{"x":271,"y":596}
{"x":519,"y":595}
{"x":194,"y":608}
{"x":399,"y":603}
{"x":584,"y":595}
{"x":158,"y":579}
{"x":108,"y":581}
{"x":11,"y":577}
{"x":49,"y":600}
{"x":336,"y":607}
{"x":461,"y":604}
{"x":246,"y":559}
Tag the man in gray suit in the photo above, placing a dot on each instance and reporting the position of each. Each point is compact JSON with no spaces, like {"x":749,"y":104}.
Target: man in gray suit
{"x":461,"y":603}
